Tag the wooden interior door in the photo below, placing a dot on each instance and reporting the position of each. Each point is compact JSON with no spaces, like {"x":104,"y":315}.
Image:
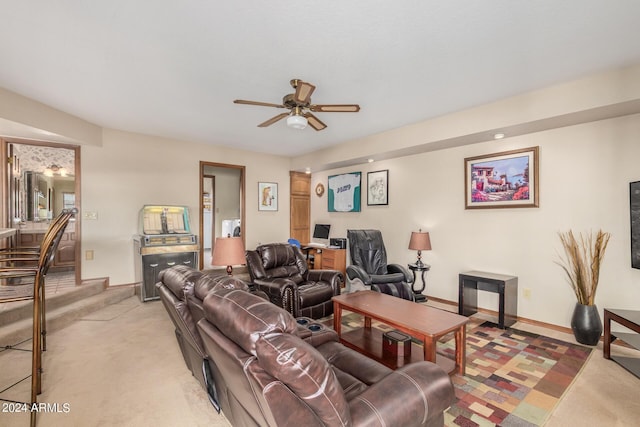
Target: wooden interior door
{"x":300,"y":201}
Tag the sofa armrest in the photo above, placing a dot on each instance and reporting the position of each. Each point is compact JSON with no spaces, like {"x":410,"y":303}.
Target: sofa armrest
{"x":423,"y":391}
{"x":357,"y":272}
{"x":333,"y":277}
{"x":254,"y":265}
{"x":317,"y":338}
{"x":397,"y":268}
{"x":281,"y":291}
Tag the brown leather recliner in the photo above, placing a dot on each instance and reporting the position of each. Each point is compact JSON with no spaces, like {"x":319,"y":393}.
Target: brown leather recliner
{"x":181,"y":290}
{"x":280,"y":270}
{"x":267,"y":374}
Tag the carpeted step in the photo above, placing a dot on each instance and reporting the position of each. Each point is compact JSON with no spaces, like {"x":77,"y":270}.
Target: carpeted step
{"x":63,"y":315}
{"x":16,"y":311}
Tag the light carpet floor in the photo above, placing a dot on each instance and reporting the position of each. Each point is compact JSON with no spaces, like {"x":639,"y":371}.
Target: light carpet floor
{"x":121,"y":366}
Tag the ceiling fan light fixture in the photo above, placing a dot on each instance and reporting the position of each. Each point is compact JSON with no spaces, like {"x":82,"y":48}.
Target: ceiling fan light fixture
{"x":296,"y":122}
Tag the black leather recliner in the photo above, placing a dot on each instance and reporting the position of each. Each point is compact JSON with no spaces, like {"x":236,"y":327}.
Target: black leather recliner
{"x":369,"y":264}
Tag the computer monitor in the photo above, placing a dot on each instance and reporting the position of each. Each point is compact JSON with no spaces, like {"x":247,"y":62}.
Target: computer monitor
{"x":321,"y":231}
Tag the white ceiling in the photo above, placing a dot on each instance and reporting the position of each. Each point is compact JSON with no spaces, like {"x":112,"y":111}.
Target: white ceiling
{"x":172,"y":68}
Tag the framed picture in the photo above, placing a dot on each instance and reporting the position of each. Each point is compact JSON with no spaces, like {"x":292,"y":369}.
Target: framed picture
{"x":502,"y":180}
{"x":267,"y":196}
{"x":378,"y":188}
{"x":344,"y":192}
{"x":634,"y":207}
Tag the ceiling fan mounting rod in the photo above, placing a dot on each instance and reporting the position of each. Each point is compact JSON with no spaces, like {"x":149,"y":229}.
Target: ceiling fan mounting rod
{"x":289,"y":101}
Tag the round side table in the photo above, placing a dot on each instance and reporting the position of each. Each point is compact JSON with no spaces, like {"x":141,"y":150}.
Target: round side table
{"x":417,"y":293}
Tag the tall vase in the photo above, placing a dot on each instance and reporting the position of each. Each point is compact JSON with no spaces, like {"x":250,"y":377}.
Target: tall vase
{"x":586,"y":324}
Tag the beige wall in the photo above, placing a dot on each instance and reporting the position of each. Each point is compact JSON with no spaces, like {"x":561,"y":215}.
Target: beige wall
{"x":131,"y":170}
{"x":585,"y":172}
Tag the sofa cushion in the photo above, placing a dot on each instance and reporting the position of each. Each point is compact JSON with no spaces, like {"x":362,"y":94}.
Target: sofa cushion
{"x":372,"y":261}
{"x":354,"y":371}
{"x":206,"y":283}
{"x":282,"y":260}
{"x":301,"y":368}
{"x":178,"y":277}
{"x":244,"y":317}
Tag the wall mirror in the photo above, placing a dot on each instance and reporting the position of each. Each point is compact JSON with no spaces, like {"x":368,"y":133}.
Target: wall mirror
{"x":222,"y":201}
{"x":43,"y":197}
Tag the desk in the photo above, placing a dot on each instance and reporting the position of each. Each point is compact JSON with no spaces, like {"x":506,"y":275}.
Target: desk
{"x":505,"y":286}
{"x":327,"y":258}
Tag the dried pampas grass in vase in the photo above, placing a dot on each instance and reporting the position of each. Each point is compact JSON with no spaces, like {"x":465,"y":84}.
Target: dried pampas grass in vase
{"x":581,"y":263}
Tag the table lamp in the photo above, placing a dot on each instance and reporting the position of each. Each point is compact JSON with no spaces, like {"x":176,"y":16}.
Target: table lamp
{"x":420,"y":242}
{"x":228,"y":251}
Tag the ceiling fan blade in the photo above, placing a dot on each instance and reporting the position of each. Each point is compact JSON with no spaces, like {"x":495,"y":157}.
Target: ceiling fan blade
{"x":336,"y":108}
{"x":272,"y":120}
{"x":303,"y":92}
{"x":263,"y":104}
{"x":314,"y":122}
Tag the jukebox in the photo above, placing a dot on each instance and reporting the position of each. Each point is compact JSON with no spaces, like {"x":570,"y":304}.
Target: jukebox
{"x":165,"y":240}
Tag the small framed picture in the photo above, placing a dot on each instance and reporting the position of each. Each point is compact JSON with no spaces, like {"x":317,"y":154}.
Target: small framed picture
{"x":267,"y":196}
{"x":378,"y":188}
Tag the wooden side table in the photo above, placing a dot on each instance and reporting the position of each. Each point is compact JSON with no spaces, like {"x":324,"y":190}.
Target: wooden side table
{"x":417,"y":293}
{"x":506,"y":286}
{"x":629,"y":319}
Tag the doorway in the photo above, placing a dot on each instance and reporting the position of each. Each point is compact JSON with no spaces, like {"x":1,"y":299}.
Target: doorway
{"x":42,"y":179}
{"x":222,"y":202}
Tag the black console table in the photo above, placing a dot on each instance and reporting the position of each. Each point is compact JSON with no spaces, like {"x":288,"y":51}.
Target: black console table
{"x":506,"y":286}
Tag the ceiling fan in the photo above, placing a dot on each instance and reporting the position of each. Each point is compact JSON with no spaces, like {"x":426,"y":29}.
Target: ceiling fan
{"x":300,"y":106}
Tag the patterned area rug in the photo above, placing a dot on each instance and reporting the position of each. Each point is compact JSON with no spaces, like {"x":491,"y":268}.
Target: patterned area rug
{"x":513,"y":377}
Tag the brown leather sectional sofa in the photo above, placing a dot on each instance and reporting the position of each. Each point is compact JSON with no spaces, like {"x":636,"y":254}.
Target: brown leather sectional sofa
{"x":268,"y":368}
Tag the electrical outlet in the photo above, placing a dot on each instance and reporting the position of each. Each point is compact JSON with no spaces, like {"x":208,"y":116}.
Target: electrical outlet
{"x":88,"y":255}
{"x":526,"y":293}
{"x":90,"y":215}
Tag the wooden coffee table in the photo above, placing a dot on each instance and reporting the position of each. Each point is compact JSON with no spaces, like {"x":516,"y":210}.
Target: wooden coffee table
{"x":426,"y":324}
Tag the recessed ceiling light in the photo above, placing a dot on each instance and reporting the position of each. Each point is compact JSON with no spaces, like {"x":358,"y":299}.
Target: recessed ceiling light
{"x":498,"y":136}
{"x":370,"y":160}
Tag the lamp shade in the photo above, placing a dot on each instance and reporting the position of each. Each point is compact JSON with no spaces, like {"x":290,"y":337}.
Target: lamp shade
{"x":420,"y":241}
{"x":297,"y":122}
{"x":228,"y":251}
